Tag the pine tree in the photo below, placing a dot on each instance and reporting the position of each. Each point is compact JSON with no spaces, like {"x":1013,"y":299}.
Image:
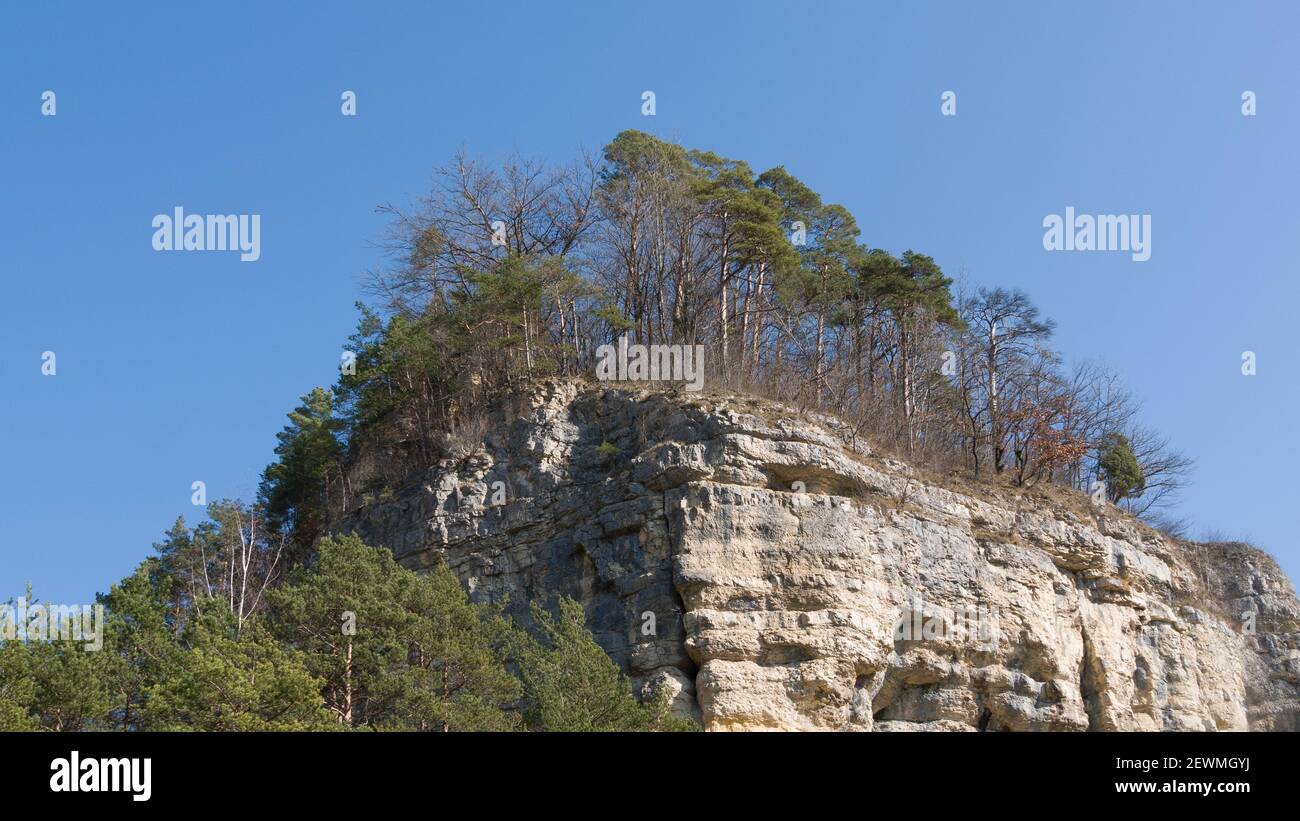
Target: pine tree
{"x":397,"y":650}
{"x":457,"y":679}
{"x":571,"y":685}
{"x":915,"y":291}
{"x":345,"y":613}
{"x":295,"y":489}
{"x":140,"y":639}
{"x":17,"y":688}
{"x":235,"y":680}
{"x":1119,"y":468}
{"x":71,"y":685}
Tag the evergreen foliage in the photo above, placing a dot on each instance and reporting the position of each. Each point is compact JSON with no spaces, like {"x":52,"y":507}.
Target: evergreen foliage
{"x":1120,"y":468}
{"x":349,"y":641}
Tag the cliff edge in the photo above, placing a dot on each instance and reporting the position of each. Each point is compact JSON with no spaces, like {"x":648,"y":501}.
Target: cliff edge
{"x":771,"y":572}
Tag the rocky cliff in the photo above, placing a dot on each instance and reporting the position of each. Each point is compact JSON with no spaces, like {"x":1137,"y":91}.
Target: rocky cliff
{"x":772,"y":573}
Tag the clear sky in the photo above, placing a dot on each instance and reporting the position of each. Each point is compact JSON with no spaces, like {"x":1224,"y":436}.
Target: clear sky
{"x":176,"y":367}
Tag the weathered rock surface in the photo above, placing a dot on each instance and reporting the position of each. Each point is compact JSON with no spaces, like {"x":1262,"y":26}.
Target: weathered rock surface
{"x":772,"y":574}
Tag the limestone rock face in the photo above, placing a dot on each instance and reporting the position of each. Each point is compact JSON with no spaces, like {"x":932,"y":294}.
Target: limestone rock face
{"x":771,"y":573}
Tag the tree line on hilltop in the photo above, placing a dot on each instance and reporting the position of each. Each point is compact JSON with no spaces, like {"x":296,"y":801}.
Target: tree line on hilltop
{"x":506,"y":273}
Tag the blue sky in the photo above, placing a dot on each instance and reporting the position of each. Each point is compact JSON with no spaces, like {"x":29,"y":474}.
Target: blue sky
{"x":180,"y":367}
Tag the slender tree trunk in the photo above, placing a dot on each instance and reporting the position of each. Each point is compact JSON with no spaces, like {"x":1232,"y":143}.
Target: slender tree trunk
{"x":347,"y":687}
{"x":758,"y":318}
{"x":744,"y":321}
{"x":722,"y":295}
{"x":446,"y":694}
{"x":821,"y":349}
{"x":995,"y":413}
{"x":905,"y":371}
